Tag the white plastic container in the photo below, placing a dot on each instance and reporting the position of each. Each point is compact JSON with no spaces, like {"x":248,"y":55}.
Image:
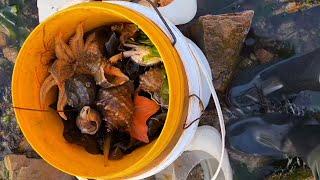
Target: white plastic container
{"x":187,"y":9}
{"x":198,"y":72}
{"x":180,"y":11}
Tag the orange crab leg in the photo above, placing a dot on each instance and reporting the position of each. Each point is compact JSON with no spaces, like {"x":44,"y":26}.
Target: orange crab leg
{"x":114,"y":59}
{"x":62,"y":101}
{"x":47,"y":85}
{"x":62,"y":50}
{"x":121,"y":78}
{"x":77,"y":42}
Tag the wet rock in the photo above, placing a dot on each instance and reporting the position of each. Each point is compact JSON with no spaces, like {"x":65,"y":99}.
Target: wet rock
{"x":250,"y":42}
{"x":3,"y":39}
{"x":246,"y":63}
{"x":23,"y":168}
{"x":221,"y":38}
{"x":300,"y":29}
{"x":264,"y":56}
{"x":301,"y":174}
{"x":251,"y":162}
{"x":10,"y":53}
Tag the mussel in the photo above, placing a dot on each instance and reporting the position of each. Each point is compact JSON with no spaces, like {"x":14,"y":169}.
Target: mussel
{"x":81,"y":91}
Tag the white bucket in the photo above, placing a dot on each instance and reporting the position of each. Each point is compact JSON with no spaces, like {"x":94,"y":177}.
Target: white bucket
{"x":200,"y":84}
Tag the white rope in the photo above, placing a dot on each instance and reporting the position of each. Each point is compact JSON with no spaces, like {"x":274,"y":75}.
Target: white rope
{"x":218,"y":108}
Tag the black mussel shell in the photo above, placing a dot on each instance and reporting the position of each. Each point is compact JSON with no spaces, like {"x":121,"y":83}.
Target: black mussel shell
{"x":124,"y":142}
{"x":116,"y":153}
{"x":132,"y":70}
{"x":155,"y":125}
{"x":81,"y":91}
{"x":112,"y":45}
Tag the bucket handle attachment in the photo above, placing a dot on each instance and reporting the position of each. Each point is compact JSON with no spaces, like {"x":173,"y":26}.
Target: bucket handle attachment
{"x":185,"y":125}
{"x":164,"y":22}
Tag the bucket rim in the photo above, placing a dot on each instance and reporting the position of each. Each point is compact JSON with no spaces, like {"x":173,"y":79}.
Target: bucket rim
{"x":176,"y":78}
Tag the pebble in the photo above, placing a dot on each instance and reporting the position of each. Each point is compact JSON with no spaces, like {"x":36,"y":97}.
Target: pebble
{"x":250,"y":42}
{"x":264,"y":56}
{"x":3,"y":39}
{"x":10,"y":53}
{"x":22,"y":168}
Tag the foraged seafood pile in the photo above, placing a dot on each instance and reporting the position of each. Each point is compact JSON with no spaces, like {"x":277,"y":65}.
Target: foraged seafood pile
{"x":113,"y":89}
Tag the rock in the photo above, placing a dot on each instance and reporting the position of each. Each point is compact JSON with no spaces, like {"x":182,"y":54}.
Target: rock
{"x":196,"y":173}
{"x":264,"y":56}
{"x":250,"y":161}
{"x":10,"y":53}
{"x":4,"y":174}
{"x":3,"y":39}
{"x":24,"y":146}
{"x":221,"y":38}
{"x":301,"y":174}
{"x":23,"y":168}
{"x":250,"y":42}
{"x":26,"y":149}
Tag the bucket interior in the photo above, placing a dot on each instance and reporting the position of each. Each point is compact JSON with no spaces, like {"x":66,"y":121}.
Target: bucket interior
{"x":44,"y":130}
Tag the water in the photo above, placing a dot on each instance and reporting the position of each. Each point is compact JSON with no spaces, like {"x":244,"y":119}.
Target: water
{"x":284,"y":34}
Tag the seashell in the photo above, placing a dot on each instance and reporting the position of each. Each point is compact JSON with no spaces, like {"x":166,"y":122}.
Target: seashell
{"x":81,"y":91}
{"x":116,"y":106}
{"x":152,"y":80}
{"x":88,"y":121}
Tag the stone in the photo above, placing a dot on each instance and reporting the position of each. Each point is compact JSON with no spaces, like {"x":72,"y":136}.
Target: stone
{"x":22,"y":168}
{"x":250,"y":161}
{"x":221,"y":38}
{"x":10,"y":53}
{"x":4,"y":174}
{"x":3,"y":39}
{"x":26,"y":149}
{"x":301,"y":174}
{"x":24,"y":146}
{"x":264,"y":56}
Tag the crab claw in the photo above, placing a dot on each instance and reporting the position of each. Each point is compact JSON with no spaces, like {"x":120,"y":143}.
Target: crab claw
{"x":62,"y":101}
{"x":88,"y":121}
{"x":47,"y":85}
{"x":119,"y":77}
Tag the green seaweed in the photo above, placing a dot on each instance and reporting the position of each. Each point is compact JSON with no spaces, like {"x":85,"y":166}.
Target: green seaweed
{"x":153,"y":54}
{"x":164,"y":93}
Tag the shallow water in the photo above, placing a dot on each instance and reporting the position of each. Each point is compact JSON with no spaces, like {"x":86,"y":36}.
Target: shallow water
{"x":283,"y":34}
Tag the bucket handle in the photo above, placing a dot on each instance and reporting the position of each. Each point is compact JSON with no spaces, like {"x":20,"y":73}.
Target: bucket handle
{"x":217,"y":104}
{"x":202,"y":107}
{"x":164,"y":22}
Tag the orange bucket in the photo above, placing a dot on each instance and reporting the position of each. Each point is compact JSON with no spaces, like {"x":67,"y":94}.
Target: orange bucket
{"x":44,"y":130}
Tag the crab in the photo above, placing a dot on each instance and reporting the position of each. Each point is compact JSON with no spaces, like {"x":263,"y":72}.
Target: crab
{"x":79,"y":57}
